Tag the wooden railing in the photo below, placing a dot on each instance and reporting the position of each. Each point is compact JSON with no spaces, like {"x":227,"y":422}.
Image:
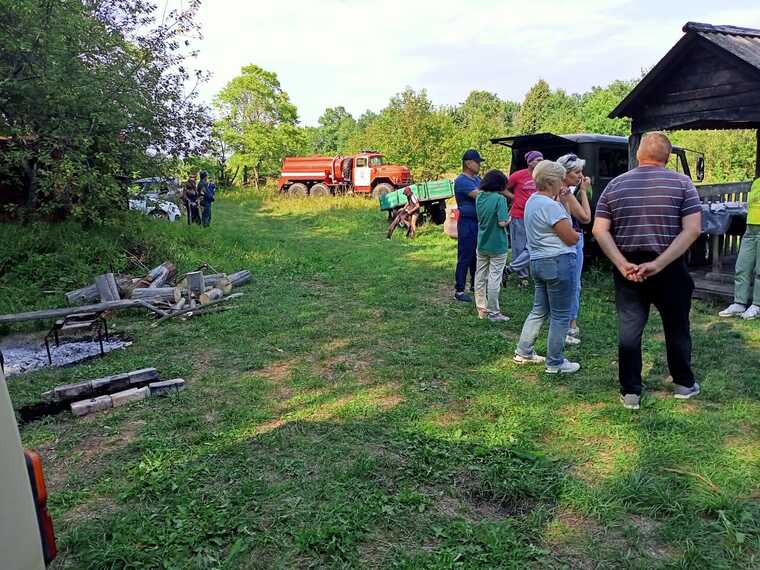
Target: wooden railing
{"x":724,"y":248}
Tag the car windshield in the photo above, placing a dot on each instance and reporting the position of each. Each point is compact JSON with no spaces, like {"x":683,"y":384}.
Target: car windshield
{"x":376,"y":161}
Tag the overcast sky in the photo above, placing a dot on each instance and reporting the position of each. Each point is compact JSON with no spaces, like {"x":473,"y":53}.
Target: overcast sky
{"x":358,"y":54}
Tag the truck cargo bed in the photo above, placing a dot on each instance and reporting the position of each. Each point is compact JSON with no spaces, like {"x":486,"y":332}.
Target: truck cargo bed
{"x":431,"y":191}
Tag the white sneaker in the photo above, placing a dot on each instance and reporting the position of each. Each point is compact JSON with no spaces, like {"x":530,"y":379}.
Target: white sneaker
{"x":572,"y":340}
{"x":733,"y":310}
{"x":566,"y":367}
{"x":532,"y":359}
{"x":752,"y":313}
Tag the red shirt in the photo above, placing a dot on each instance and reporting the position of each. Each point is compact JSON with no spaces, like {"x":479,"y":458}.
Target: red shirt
{"x":520,"y":183}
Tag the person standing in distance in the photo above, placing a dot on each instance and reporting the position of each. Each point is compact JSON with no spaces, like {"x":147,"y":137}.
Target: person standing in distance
{"x":520,"y":187}
{"x":465,"y":192}
{"x":646,"y":220}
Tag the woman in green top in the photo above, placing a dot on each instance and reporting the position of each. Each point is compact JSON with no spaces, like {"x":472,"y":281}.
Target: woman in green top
{"x":748,"y":263}
{"x":491,"y":208}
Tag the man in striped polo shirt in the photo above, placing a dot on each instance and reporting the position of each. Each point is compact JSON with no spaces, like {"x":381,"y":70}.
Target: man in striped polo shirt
{"x":646,"y":219}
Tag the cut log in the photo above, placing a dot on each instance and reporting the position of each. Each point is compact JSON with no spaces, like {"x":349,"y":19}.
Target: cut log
{"x":240,"y":278}
{"x":90,"y":406}
{"x":166,"y":387}
{"x":128,"y":396}
{"x":171,"y":294}
{"x":187,"y":310}
{"x":195,"y":283}
{"x":211,"y":295}
{"x":179,"y":304}
{"x":47,"y":314}
{"x":165,"y":274}
{"x":87,"y":294}
{"x":107,"y":288}
{"x":90,"y":293}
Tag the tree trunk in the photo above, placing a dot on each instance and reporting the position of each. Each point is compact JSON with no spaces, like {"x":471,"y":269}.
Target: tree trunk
{"x":90,"y":293}
{"x":256,"y":177}
{"x":30,"y":181}
{"x":107,"y":288}
{"x":240,"y":278}
{"x":99,"y":386}
{"x":170,"y":294}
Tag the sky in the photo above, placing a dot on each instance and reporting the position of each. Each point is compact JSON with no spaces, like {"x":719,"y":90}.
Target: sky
{"x":359,"y":54}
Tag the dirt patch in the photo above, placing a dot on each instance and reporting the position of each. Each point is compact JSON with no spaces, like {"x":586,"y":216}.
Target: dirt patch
{"x":94,"y":508}
{"x":278,"y":374}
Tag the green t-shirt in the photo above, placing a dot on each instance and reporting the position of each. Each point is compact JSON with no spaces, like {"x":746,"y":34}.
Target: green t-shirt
{"x":491,"y":208}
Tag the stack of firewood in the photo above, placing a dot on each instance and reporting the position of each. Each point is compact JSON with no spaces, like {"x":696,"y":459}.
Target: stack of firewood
{"x":163,"y":291}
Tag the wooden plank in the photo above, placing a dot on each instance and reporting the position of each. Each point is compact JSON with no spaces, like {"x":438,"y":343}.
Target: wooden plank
{"x":675,"y":95}
{"x":723,"y":103}
{"x":721,"y":191}
{"x":47,"y":314}
{"x":739,"y":117}
{"x":107,"y":288}
{"x":633,"y":146}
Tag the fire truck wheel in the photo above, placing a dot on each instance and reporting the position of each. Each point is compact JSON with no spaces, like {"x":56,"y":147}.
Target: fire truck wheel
{"x":298,"y":190}
{"x":381,"y":190}
{"x":319,"y":190}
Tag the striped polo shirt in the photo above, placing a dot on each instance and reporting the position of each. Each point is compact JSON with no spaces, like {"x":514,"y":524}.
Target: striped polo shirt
{"x":645,"y":206}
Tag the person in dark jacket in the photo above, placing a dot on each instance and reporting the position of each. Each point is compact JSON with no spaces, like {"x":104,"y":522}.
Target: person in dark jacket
{"x":206,"y":191}
{"x":409,"y":214}
{"x":465,"y":192}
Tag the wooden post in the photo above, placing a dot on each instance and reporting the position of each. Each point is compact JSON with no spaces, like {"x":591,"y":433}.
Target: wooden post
{"x":633,"y":146}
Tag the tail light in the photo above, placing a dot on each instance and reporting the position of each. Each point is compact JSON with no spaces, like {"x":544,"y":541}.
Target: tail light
{"x":39,"y":491}
{"x":454,"y":215}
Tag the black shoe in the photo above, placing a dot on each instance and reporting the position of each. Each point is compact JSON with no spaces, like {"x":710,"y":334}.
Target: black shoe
{"x":463,"y":297}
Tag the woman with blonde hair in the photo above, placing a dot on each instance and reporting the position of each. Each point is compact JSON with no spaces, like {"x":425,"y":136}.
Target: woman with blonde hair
{"x":551,"y":243}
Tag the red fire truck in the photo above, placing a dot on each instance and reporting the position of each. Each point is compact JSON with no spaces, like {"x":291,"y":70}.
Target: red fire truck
{"x":363,"y":173}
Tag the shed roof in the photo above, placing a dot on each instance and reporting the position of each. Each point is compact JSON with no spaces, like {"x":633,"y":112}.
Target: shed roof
{"x":736,"y":46}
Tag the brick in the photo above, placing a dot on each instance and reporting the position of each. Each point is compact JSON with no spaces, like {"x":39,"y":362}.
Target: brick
{"x":128,"y":396}
{"x":166,"y":387}
{"x":84,"y":407}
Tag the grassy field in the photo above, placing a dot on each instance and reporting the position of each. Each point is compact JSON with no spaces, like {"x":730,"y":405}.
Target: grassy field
{"x":350,"y":415}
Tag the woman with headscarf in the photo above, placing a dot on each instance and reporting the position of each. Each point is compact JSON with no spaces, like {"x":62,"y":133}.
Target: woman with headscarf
{"x":574,"y":196}
{"x":551,"y":243}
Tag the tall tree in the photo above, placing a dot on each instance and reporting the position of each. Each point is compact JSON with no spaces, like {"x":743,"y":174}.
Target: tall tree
{"x":258,"y":122}
{"x":534,"y":109}
{"x":336,"y":127}
{"x":92,"y":92}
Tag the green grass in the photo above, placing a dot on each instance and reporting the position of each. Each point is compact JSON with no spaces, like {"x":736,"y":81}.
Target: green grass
{"x":349,"y":415}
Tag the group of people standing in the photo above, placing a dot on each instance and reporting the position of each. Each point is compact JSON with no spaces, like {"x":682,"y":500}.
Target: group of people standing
{"x":646,"y":219}
{"x":198,"y":198}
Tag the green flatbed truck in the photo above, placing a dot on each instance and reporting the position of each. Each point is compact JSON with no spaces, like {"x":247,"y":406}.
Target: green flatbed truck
{"x":432,"y":196}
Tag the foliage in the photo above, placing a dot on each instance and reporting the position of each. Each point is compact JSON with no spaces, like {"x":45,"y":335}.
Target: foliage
{"x":91,"y":93}
{"x":534,"y":109}
{"x":336,"y":127}
{"x":258,"y":122}
{"x":411,"y":131}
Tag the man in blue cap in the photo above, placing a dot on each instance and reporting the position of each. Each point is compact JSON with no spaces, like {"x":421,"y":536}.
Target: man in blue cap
{"x":465,"y":192}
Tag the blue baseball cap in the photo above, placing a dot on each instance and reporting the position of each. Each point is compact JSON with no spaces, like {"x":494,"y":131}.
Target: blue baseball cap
{"x":472,"y":154}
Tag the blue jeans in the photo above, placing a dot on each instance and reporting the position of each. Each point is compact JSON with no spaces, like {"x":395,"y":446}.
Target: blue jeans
{"x":554,"y":278}
{"x":575,"y":302}
{"x":520,"y":255}
{"x":467,"y":244}
{"x":206,"y":215}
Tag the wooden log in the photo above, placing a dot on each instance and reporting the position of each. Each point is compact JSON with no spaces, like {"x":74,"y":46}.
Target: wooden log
{"x":107,"y":288}
{"x":48,"y":314}
{"x":195,"y":283}
{"x":90,"y":293}
{"x":240,"y":278}
{"x":166,"y":273}
{"x":87,"y":294}
{"x":211,"y":295}
{"x":188,"y":310}
{"x":171,"y":294}
{"x":179,"y":304}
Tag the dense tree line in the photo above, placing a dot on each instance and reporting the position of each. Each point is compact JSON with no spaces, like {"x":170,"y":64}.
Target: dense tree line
{"x":430,"y":138}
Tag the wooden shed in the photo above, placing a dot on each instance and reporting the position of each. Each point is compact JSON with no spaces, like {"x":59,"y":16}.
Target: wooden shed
{"x":709,"y":80}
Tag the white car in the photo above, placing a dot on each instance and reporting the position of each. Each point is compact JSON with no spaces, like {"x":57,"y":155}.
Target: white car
{"x":149,"y":203}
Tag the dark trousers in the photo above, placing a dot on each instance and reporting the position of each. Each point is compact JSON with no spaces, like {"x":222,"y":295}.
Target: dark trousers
{"x":193,"y":214}
{"x":670,"y":292}
{"x":206,"y":215}
{"x":467,"y":245}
